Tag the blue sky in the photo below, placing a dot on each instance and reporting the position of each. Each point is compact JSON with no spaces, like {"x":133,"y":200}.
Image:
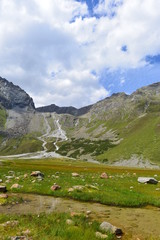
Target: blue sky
{"x":76,"y":53}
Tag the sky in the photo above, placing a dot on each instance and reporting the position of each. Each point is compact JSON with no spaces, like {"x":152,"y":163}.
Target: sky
{"x":70,"y":52}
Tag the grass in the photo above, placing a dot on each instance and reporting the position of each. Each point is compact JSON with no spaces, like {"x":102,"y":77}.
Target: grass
{"x":25,"y":144}
{"x":141,"y":137}
{"x":51,"y":226}
{"x":121,"y":189}
{"x":3,"y":117}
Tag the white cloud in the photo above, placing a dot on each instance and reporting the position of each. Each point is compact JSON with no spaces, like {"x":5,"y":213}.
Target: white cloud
{"x":54,"y":48}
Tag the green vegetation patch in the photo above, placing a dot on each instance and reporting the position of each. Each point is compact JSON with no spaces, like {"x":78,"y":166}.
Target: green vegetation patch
{"x":120,"y":189}
{"x":19,"y":145}
{"x":82,"y":146}
{"x":3,"y":117}
{"x":46,"y":227}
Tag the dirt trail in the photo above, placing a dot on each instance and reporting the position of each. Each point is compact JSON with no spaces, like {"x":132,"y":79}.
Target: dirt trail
{"x":135,"y":222}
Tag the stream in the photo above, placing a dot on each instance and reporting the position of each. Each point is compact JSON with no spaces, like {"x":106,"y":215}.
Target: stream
{"x":138,"y":222}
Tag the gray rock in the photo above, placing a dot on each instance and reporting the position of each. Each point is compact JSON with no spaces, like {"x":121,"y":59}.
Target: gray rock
{"x":147,"y":180}
{"x":37,"y":174}
{"x":3,"y":189}
{"x":12,"y":96}
{"x":9,"y":177}
{"x":107,"y":227}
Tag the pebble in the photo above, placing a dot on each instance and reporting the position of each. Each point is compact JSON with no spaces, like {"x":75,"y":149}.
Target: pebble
{"x":101,"y":235}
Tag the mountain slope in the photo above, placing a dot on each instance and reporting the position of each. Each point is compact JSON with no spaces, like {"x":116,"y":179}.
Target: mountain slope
{"x":12,"y":96}
{"x":120,"y":127}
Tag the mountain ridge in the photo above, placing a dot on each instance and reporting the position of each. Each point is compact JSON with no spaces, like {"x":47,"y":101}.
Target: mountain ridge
{"x":119,"y":127}
{"x":12,"y":96}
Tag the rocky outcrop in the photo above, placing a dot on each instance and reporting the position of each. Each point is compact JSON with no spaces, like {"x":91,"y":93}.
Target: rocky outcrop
{"x":65,"y":110}
{"x":12,"y":96}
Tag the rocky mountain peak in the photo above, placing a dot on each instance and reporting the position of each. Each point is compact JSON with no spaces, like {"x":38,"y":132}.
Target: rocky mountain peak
{"x":12,"y":96}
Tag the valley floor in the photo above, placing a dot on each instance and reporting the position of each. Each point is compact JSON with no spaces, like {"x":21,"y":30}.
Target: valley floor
{"x":118,"y":199}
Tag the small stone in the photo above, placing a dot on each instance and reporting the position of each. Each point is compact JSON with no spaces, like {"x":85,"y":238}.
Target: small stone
{"x":69,"y":222}
{"x":101,"y":236}
{"x":1,"y":180}
{"x":88,"y":212}
{"x":104,"y":175}
{"x":16,"y":185}
{"x":7,"y":181}
{"x":10,"y":223}
{"x":19,"y":238}
{"x":3,"y":196}
{"x":55,"y":187}
{"x":9,"y":177}
{"x":26,"y":232}
{"x":78,"y":187}
{"x":70,"y":190}
{"x":75,"y":175}
{"x":118,"y":233}
{"x":3,"y":189}
{"x":73,"y":214}
{"x":25,"y":175}
{"x":11,"y":172}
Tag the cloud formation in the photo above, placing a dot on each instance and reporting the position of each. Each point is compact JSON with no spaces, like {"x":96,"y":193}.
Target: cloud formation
{"x":57,"y":51}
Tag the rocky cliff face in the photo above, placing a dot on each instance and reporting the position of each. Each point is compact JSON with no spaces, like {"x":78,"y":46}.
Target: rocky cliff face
{"x":12,"y":96}
{"x":65,"y":110}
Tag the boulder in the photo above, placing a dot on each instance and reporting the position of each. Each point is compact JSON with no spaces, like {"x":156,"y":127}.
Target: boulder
{"x":104,"y":176}
{"x":55,"y":187}
{"x":147,"y":180}
{"x":108,"y":227}
{"x":37,"y":174}
{"x":3,"y":189}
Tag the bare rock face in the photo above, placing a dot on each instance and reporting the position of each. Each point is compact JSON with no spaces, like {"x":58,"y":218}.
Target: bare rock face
{"x":12,"y":96}
{"x":65,"y":110}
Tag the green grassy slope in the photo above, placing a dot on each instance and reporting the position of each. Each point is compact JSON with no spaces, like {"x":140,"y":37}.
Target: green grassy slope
{"x":140,"y":136}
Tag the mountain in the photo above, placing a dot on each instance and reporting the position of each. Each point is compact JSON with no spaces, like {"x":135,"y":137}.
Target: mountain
{"x":121,"y":129}
{"x":65,"y":110}
{"x":12,"y":96}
